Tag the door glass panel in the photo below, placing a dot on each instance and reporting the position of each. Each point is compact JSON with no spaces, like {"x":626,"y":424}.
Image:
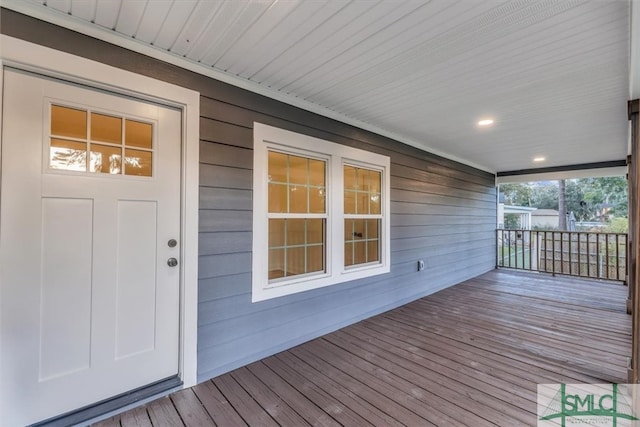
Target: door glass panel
{"x":69,"y":122}
{"x":105,"y":159}
{"x":137,"y":162}
{"x":106,"y":128}
{"x":138,"y":134}
{"x":68,"y":155}
{"x":104,"y":140}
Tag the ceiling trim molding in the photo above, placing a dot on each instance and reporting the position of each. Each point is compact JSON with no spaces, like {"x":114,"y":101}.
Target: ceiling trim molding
{"x":55,"y":17}
{"x":585,"y":170}
{"x":566,"y":168}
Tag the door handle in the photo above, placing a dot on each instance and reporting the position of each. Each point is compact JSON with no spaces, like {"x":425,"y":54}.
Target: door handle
{"x":172,"y":262}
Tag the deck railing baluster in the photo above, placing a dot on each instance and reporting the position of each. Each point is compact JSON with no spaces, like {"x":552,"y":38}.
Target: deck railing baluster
{"x":577,"y":250}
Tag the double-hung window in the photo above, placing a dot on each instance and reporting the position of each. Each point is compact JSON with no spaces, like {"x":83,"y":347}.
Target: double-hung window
{"x":320,"y":213}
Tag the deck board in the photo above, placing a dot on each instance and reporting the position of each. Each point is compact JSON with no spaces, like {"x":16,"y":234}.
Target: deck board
{"x":471,"y":354}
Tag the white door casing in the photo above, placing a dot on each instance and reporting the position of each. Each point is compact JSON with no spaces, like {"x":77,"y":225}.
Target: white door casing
{"x":28,"y":56}
{"x":90,"y":308}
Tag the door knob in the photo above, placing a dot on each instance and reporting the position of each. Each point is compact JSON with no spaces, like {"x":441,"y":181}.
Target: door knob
{"x":172,"y":262}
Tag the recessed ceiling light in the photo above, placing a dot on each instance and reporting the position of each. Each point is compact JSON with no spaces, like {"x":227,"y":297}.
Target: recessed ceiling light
{"x":485,"y":122}
{"x":539,"y":159}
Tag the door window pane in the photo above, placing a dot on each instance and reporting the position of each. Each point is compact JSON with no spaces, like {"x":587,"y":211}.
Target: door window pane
{"x":106,"y":128}
{"x":105,"y":159}
{"x":138,"y":134}
{"x":137,"y":162}
{"x":69,"y":122}
{"x":68,"y":155}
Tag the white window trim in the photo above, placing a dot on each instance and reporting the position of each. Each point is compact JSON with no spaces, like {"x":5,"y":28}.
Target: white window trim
{"x":337,"y":155}
{"x":28,"y":56}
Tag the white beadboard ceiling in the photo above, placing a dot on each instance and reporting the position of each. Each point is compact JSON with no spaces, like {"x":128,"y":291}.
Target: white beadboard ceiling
{"x":553,"y":74}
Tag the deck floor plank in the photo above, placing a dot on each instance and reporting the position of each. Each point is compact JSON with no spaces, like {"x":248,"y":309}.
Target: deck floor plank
{"x":137,"y":417}
{"x":164,"y":414}
{"x":218,"y":407}
{"x":279,"y":410}
{"x":243,"y":403}
{"x":471,"y":354}
{"x":306,"y":408}
{"x":190,"y":409}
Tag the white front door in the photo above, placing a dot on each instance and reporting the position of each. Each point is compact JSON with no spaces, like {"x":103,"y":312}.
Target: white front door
{"x":89,"y":218}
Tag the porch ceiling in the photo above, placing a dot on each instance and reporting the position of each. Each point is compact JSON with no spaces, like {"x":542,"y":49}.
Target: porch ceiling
{"x":553,"y":75}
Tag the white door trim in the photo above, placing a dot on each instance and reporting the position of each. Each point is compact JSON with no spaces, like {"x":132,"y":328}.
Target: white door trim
{"x":28,"y":56}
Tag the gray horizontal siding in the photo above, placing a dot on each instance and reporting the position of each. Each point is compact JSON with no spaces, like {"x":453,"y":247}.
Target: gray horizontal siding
{"x":442,"y":212}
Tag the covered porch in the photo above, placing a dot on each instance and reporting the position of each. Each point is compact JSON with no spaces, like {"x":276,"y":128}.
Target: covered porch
{"x":471,"y":354}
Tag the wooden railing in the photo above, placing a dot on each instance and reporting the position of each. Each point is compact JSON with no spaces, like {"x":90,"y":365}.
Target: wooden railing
{"x":574,"y":253}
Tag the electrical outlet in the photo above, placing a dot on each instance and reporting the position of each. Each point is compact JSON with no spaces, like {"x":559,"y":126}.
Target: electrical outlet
{"x":420,"y":265}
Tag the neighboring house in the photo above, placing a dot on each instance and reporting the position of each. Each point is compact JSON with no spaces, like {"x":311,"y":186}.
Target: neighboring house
{"x":545,"y":218}
{"x":161,"y":227}
{"x":522,"y":212}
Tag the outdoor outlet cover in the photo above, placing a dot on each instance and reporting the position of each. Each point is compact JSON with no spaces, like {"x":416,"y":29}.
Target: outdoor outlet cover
{"x":420,"y":265}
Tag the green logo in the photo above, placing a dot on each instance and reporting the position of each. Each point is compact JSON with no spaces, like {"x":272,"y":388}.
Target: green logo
{"x":587,"y":404}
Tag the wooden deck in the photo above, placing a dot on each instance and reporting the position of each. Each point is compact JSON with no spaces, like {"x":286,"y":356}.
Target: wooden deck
{"x":469,"y":355}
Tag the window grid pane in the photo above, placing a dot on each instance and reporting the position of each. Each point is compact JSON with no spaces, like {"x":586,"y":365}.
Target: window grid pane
{"x":297,"y":186}
{"x":362,"y":201}
{"x":362,"y":242}
{"x":296,"y":246}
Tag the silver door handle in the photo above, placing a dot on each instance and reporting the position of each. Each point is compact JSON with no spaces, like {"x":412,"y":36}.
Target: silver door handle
{"x":172,"y":262}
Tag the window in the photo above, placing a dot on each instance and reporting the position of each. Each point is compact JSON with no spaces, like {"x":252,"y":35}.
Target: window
{"x":320,"y":213}
{"x":88,"y":141}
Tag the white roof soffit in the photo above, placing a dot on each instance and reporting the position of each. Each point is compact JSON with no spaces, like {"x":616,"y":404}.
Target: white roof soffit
{"x":553,"y":75}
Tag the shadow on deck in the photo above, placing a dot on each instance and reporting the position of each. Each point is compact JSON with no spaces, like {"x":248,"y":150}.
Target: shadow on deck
{"x":469,"y":355}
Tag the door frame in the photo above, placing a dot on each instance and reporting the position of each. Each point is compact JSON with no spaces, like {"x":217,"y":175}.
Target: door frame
{"x":27,"y":56}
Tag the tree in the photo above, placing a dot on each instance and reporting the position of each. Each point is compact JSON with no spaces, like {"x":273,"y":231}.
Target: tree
{"x":518,"y":194}
{"x":562,"y":205}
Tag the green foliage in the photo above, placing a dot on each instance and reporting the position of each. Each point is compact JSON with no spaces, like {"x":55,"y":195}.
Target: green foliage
{"x":590,"y":199}
{"x":511,"y":221}
{"x":617,"y":225}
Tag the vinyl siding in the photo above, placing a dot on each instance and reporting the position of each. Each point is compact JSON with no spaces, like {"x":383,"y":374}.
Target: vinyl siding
{"x":442,"y":212}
